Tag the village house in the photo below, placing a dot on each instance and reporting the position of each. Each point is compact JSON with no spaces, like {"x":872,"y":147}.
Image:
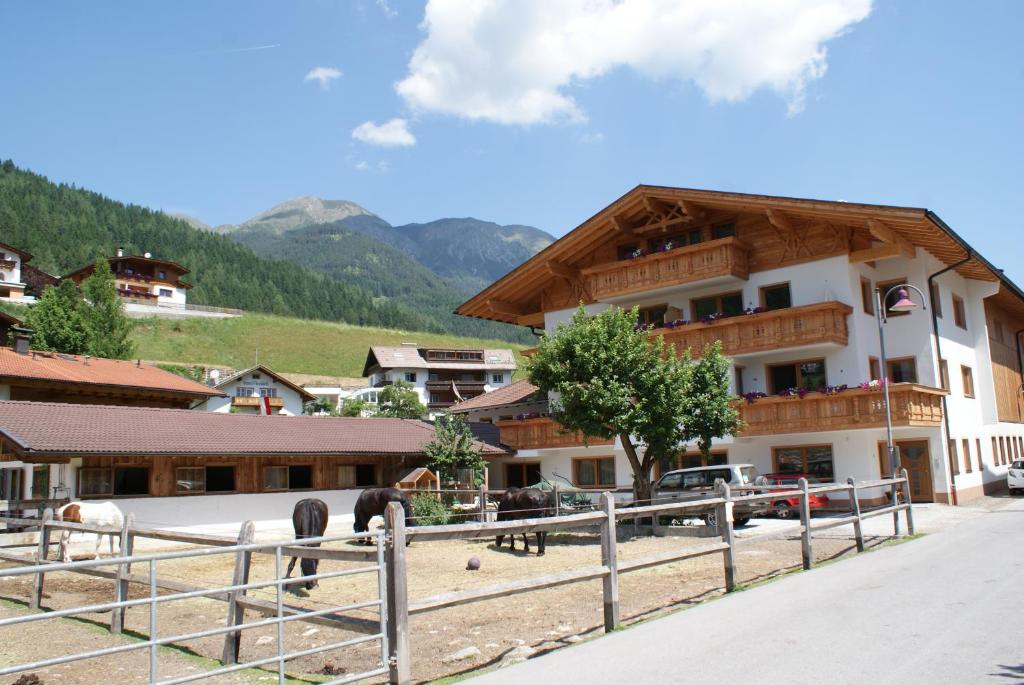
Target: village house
{"x":12,"y":284}
{"x":258,"y":390}
{"x":789,"y":288}
{"x":143,"y":279}
{"x":8,"y":326}
{"x":441,"y":377}
{"x":229,"y":467}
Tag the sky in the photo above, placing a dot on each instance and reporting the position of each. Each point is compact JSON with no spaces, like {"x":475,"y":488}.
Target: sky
{"x":537,"y":112}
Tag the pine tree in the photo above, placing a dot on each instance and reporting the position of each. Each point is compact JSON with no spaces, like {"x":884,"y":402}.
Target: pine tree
{"x":57,"y":320}
{"x":108,"y":330}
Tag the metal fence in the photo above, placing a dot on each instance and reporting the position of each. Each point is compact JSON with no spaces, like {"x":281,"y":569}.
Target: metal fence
{"x":234,"y":594}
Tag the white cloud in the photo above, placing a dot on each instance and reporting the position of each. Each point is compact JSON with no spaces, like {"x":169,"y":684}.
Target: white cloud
{"x":394,"y":133}
{"x":592,"y":138}
{"x":324,"y":75}
{"x":515,"y":61}
{"x":362,"y":165}
{"x":387,"y":9}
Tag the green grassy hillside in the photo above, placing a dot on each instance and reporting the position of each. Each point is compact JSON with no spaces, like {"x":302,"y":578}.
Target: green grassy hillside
{"x":284,"y":344}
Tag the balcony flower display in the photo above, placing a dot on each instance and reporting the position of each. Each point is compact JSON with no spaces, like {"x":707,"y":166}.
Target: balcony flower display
{"x":835,"y":389}
{"x":793,"y":392}
{"x":871,"y":385}
{"x":752,"y":397}
{"x":637,"y":253}
{"x":708,"y":318}
{"x":666,"y":246}
{"x":754,"y":310}
{"x":675,"y":323}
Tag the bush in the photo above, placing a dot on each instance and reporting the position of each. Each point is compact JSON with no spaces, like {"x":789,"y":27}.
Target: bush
{"x":429,"y":510}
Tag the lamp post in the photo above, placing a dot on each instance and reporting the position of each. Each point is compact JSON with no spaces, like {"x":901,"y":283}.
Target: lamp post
{"x":902,"y":304}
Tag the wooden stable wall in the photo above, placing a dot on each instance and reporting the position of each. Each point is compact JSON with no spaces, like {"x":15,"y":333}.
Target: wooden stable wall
{"x":1002,"y":327}
{"x":249,"y":470}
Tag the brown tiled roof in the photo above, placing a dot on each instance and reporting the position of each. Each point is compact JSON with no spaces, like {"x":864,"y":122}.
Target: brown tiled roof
{"x":409,"y":357}
{"x":44,"y":428}
{"x":8,"y":319}
{"x":516,"y":393}
{"x":72,"y":369}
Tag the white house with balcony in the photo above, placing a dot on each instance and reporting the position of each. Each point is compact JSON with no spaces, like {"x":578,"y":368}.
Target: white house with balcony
{"x":441,"y":377}
{"x":789,"y":288}
{"x":258,"y":390}
{"x":12,"y":285}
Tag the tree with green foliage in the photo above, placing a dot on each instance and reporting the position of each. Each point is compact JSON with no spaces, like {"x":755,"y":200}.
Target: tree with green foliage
{"x":613,"y":381}
{"x":321,"y":406}
{"x":400,"y":401}
{"x":453,"y":448}
{"x":709,"y":408}
{"x":108,"y":330}
{"x":353,"y":406}
{"x":57,"y":320}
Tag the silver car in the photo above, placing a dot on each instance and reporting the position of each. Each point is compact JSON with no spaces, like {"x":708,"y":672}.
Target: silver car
{"x":699,"y":483}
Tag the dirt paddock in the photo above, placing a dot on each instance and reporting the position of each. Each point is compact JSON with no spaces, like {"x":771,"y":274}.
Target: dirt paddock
{"x":444,"y":642}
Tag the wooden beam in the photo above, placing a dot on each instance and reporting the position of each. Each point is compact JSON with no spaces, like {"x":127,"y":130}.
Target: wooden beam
{"x":507,"y":308}
{"x":534,"y":319}
{"x":563,"y":270}
{"x":693,"y":211}
{"x":779,"y":220}
{"x":621,"y":226}
{"x":886,"y":251}
{"x":887,"y":235}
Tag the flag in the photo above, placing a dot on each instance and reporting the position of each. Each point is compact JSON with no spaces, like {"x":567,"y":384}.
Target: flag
{"x":265,"y":405}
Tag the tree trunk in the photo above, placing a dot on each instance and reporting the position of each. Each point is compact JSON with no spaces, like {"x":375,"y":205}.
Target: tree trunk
{"x":641,"y":471}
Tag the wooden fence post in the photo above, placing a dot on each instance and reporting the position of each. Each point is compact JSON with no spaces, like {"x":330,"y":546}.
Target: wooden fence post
{"x":41,"y":552}
{"x":127,"y":543}
{"x":482,"y":494}
{"x":397,"y":599}
{"x":910,"y":505}
{"x":558,"y":499}
{"x":858,"y":531}
{"x":895,"y":496}
{"x":236,"y":613}
{"x":725,"y":527}
{"x":805,"y":525}
{"x":609,"y":558}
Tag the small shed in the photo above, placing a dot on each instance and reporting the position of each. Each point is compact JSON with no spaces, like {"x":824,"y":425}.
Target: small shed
{"x":419,"y":479}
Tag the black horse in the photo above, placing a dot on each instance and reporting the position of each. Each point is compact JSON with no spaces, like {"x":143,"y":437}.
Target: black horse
{"x":374,"y":501}
{"x":518,"y":504}
{"x":309,"y":518}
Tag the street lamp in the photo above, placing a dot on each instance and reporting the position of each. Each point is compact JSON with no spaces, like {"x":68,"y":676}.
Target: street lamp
{"x":903,"y":304}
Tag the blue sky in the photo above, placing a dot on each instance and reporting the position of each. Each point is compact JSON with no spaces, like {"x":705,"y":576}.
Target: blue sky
{"x":205,"y":107}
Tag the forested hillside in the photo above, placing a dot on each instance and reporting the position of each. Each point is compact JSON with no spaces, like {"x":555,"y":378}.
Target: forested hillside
{"x":66,"y":227}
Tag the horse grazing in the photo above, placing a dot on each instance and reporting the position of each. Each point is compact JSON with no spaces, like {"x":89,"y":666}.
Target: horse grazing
{"x":309,"y":519}
{"x":374,"y":501}
{"x":89,"y":514}
{"x":518,"y":504}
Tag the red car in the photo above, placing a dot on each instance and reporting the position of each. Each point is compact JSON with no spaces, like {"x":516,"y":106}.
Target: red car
{"x":790,"y":506}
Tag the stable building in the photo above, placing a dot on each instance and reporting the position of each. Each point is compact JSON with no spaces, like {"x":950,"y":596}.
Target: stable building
{"x":258,"y":390}
{"x":179,"y":468}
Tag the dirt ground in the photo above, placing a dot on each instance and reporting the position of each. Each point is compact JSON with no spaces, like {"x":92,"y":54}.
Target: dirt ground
{"x":444,"y":642}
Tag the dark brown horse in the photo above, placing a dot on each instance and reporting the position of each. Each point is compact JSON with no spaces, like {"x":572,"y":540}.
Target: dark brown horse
{"x":374,"y":501}
{"x":518,"y":504}
{"x":309,"y":519}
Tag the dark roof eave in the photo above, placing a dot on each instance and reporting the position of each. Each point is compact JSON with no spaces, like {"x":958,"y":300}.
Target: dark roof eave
{"x":185,"y":394}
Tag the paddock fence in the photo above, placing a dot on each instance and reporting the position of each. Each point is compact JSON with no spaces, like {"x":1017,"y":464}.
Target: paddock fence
{"x":387,"y":559}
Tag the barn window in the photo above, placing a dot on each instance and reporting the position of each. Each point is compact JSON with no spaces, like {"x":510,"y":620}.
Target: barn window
{"x":346,"y":476}
{"x":198,"y":479}
{"x":40,"y":481}
{"x":131,"y":480}
{"x":275,"y":478}
{"x":300,"y":477}
{"x":366,"y":475}
{"x":96,"y":482}
{"x":287,"y":477}
{"x":190,"y":479}
{"x":220,"y":478}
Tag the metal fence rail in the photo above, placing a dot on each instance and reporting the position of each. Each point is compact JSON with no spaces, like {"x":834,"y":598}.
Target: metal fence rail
{"x":233,"y":593}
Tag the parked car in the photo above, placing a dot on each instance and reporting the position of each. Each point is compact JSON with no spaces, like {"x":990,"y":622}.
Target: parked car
{"x":699,"y":483}
{"x":788,"y":507}
{"x":1015,"y":477}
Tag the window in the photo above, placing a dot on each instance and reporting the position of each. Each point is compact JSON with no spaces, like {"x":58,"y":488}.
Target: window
{"x":694,"y":237}
{"x":96,"y":482}
{"x":867,"y":297}
{"x":256,"y":376}
{"x":959,"y":314}
{"x":693,"y":460}
{"x":977,"y":453}
{"x":190,"y":479}
{"x":164,"y":292}
{"x":652,"y":316}
{"x":131,"y":480}
{"x":220,"y":478}
{"x":968,"y":378}
{"x":275,"y":478}
{"x":776,"y":297}
{"x":944,"y":375}
{"x":626,"y":251}
{"x":809,"y":375}
{"x":968,"y":468}
{"x":595,"y":473}
{"x":936,"y":298}
{"x":892,"y":297}
{"x":728,"y":304}
{"x":356,"y":476}
{"x":40,"y":482}
{"x":244,"y":391}
{"x":660,"y":243}
{"x":954,"y":460}
{"x":521,"y":475}
{"x":162,"y":275}
{"x":497,"y":378}
{"x":874,"y":369}
{"x":739,"y":380}
{"x":410,"y":376}
{"x":267,"y":392}
{"x":902,"y":370}
{"x":726,"y":229}
{"x":814,"y":460}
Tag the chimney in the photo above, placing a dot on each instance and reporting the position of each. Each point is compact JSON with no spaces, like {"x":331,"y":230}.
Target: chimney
{"x":120,"y":252}
{"x":85,"y":361}
{"x":22,"y":339}
{"x":148,"y":255}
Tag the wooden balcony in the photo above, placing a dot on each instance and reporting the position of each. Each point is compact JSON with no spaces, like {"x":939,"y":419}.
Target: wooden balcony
{"x":468,"y":386}
{"x":275,"y":402}
{"x":773,"y":330}
{"x":8,"y":264}
{"x":541,"y":433}
{"x":716,"y":258}
{"x":912,"y":405}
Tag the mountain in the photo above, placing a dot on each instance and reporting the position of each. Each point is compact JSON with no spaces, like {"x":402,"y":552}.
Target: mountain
{"x":297,"y":213}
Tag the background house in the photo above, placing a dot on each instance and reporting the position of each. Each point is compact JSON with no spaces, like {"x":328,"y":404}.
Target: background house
{"x":256,"y":390}
{"x":143,"y":279}
{"x":12,"y":284}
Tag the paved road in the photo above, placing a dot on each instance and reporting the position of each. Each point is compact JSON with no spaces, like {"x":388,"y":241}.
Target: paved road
{"x":946,"y":608}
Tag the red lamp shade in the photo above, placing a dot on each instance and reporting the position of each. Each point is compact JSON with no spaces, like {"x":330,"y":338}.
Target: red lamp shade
{"x":903,"y":303}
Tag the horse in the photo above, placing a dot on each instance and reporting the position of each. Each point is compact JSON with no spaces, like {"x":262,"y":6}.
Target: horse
{"x":309,"y":519}
{"x":517,"y":504}
{"x":89,"y":514}
{"x":374,"y":501}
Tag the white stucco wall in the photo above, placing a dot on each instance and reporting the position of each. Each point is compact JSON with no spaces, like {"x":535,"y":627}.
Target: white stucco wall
{"x":292,"y":400}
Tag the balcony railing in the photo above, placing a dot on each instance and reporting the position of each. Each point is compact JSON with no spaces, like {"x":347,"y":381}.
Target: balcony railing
{"x":723,"y":257}
{"x":911,"y":405}
{"x":8,"y":264}
{"x":771,"y":330}
{"x":471,"y":386}
{"x":275,"y":402}
{"x":541,"y":433}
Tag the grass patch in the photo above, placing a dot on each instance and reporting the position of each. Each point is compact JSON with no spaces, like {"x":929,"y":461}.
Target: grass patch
{"x":284,"y":344}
